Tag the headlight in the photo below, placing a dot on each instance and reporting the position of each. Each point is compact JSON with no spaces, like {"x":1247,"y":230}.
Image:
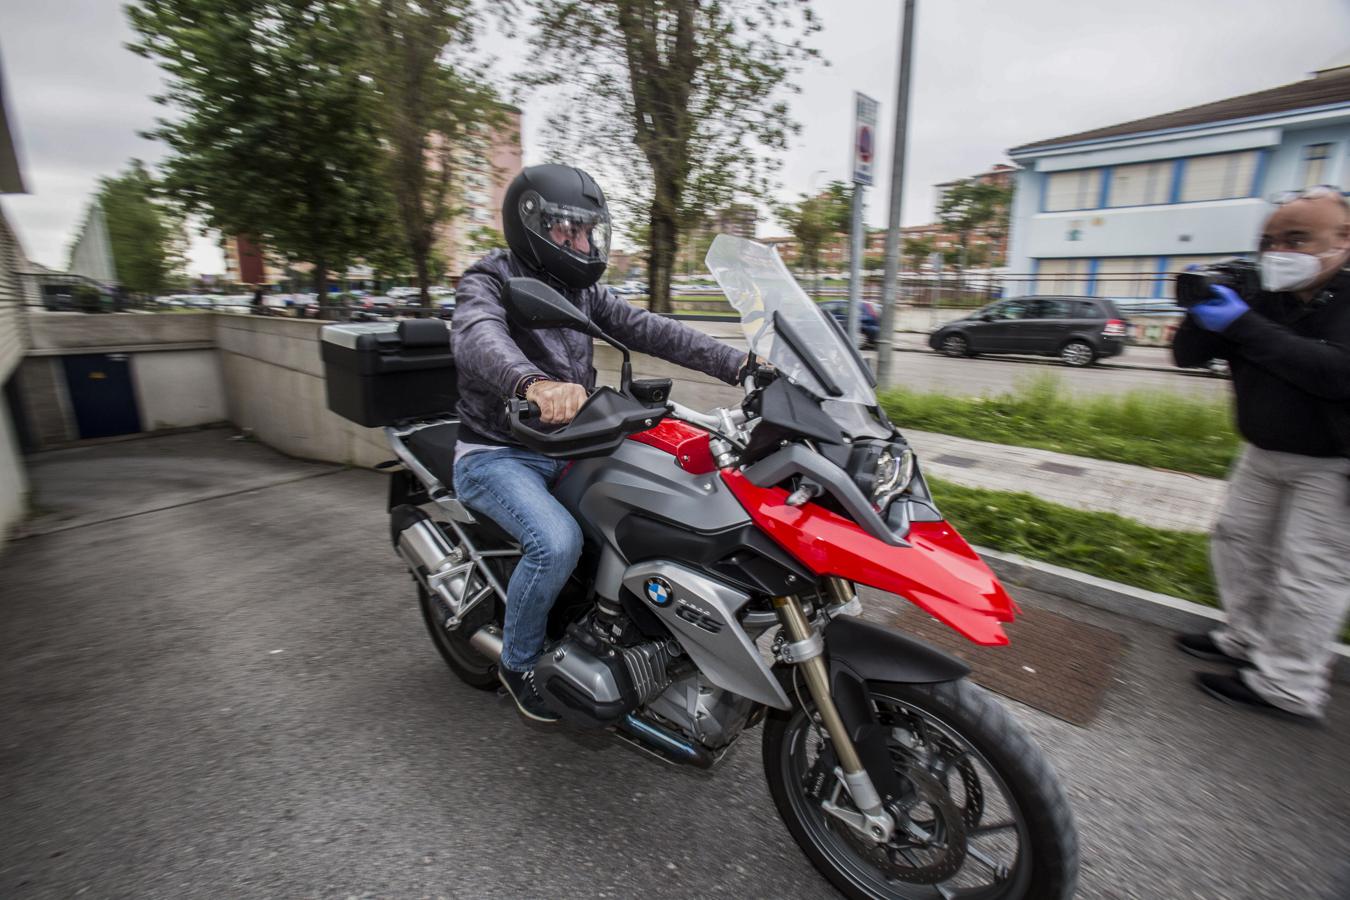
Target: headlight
{"x":881,"y":471}
{"x":895,"y":470}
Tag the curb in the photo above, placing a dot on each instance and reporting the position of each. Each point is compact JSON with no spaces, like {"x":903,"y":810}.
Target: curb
{"x":1136,"y":603}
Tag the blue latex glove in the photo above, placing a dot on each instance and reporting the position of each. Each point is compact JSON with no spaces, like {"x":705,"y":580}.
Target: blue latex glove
{"x":1220,"y":310}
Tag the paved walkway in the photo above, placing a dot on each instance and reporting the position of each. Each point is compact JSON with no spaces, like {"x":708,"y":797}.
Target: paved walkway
{"x":227,"y":691}
{"x":1163,"y":499}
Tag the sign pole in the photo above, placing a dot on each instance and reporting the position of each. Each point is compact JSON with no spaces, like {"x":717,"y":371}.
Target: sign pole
{"x":864,"y":149}
{"x":855,"y":266}
{"x":888,"y":290}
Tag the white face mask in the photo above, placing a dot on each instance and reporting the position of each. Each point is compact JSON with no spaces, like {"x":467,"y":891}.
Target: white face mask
{"x":1291,"y":271}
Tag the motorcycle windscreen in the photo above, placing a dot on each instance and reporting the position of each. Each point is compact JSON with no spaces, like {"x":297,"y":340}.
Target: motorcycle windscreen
{"x":938,"y":572}
{"x":783,"y":325}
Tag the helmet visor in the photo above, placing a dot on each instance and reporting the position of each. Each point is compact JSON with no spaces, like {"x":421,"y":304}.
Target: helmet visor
{"x":582,"y":233}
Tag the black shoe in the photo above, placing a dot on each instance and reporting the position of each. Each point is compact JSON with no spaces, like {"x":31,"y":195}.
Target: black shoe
{"x":1202,"y":646}
{"x":520,"y":685}
{"x":1234,"y":691}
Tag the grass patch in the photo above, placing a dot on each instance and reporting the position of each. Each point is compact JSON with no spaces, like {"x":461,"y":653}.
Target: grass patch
{"x":1145,"y":428}
{"x":1102,"y":544}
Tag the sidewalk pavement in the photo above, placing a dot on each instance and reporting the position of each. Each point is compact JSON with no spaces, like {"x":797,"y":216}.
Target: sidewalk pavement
{"x":1156,"y":497}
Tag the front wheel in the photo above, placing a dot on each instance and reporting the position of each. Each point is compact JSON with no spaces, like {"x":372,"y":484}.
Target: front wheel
{"x":981,"y":814}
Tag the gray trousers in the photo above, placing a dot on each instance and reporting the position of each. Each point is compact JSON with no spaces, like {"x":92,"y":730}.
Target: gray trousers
{"x":1281,"y":554}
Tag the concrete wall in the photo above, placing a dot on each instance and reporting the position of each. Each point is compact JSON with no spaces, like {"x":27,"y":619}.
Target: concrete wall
{"x":71,"y":332}
{"x":273,"y":380}
{"x":178,"y":388}
{"x":175,"y":370}
{"x":13,"y":481}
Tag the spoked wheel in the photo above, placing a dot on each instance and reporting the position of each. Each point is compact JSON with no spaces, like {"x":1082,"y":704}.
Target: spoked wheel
{"x":955,"y":345}
{"x":1077,"y":354}
{"x":981,"y":815}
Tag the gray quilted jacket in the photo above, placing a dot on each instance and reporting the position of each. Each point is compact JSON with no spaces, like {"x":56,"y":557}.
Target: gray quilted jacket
{"x":492,"y":355}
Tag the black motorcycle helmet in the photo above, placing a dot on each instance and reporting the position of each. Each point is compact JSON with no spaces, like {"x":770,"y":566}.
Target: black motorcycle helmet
{"x":556,"y":221}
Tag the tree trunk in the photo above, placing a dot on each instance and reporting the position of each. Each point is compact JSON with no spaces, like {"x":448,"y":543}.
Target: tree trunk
{"x":661,"y":258}
{"x":420,"y":255}
{"x":321,"y":290}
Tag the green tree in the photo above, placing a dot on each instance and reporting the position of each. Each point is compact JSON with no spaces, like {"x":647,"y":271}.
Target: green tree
{"x":972,"y":204}
{"x":815,"y":221}
{"x":147,"y":239}
{"x":426,"y":111}
{"x":917,"y":249}
{"x":271,"y":135}
{"x":483,"y":238}
{"x":684,"y":99}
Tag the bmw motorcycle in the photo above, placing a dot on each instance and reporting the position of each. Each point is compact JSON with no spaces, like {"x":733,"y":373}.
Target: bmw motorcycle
{"x":718,"y":592}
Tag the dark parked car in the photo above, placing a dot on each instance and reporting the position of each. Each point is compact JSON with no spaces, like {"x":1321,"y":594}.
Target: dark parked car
{"x":869,"y":326}
{"x":1079,"y":330}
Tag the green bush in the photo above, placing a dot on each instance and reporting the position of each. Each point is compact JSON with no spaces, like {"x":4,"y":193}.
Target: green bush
{"x":1145,"y":428}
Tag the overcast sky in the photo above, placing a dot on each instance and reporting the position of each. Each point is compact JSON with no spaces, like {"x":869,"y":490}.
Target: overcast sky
{"x":987,"y":75}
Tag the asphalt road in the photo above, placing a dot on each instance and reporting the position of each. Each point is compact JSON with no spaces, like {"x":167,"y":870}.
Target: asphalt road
{"x":919,"y":368}
{"x":230,"y":694}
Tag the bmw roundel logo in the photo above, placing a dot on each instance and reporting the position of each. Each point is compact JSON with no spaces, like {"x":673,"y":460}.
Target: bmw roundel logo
{"x":659,"y":591}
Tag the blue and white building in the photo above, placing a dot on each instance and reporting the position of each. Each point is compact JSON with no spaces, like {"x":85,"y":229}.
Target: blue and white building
{"x":1109,"y":212}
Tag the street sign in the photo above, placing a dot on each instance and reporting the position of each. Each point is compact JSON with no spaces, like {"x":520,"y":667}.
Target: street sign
{"x":864,"y":137}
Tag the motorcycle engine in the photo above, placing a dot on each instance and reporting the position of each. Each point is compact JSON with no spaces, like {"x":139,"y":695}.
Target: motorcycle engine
{"x":593,"y":682}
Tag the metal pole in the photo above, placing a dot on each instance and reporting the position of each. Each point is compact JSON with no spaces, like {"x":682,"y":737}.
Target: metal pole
{"x":855,"y":266}
{"x":888,"y":298}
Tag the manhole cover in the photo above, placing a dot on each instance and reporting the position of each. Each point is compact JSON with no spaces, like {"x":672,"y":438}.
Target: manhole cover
{"x":1053,"y":663}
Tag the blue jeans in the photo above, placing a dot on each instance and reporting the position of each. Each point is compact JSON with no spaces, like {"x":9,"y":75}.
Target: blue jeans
{"x":511,"y":486}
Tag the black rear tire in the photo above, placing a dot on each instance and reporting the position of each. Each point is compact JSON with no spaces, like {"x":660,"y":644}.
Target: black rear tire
{"x":472,"y":667}
{"x":957,"y":346}
{"x":1077,"y":354}
{"x":1046,"y":862}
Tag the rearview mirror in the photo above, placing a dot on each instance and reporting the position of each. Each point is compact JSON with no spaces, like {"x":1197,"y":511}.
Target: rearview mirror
{"x":532,"y":304}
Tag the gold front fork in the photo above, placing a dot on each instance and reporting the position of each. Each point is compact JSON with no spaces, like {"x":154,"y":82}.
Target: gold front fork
{"x":803,"y":649}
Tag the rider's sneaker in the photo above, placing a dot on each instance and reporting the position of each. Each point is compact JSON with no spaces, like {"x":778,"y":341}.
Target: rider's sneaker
{"x":520,"y":685}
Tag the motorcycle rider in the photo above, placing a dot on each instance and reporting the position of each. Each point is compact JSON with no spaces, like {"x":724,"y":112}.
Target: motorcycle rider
{"x":557,"y":229}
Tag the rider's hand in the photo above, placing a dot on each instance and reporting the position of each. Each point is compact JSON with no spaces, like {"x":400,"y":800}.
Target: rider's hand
{"x":558,"y":400}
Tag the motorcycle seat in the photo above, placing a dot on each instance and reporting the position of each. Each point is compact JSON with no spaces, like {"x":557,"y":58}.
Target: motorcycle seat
{"x":434,"y":448}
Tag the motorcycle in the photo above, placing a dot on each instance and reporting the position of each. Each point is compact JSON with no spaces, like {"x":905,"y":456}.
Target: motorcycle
{"x":717,"y":591}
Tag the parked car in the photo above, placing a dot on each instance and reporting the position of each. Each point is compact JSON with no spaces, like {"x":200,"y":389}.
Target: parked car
{"x":869,"y":323}
{"x":1079,"y":330}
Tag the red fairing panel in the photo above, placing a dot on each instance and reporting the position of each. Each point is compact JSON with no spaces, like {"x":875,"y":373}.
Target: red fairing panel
{"x":689,"y":445}
{"x":938,"y":572}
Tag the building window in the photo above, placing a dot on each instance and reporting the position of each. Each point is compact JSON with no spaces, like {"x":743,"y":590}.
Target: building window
{"x":1127,"y":277}
{"x":1063,"y":276}
{"x":1140,"y":185}
{"x":1315,"y":157}
{"x":1079,"y":189}
{"x":1221,"y":177}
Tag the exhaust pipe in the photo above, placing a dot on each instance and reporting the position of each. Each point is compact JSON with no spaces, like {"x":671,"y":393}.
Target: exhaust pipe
{"x":437,"y":564}
{"x":662,"y":742}
{"x":488,"y":641}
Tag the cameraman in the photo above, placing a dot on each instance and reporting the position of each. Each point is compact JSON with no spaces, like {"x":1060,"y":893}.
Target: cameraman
{"x":1281,"y":546}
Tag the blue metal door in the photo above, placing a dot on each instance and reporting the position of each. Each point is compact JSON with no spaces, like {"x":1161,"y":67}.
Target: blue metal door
{"x":102,"y":395}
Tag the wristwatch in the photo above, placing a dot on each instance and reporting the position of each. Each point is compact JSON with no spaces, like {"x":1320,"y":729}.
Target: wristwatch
{"x":525,"y":383}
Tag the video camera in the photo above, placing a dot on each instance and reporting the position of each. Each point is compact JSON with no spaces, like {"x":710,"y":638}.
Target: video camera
{"x":1194,"y":286}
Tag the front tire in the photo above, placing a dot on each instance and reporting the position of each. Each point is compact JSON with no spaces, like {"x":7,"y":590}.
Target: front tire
{"x":964,"y":825}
